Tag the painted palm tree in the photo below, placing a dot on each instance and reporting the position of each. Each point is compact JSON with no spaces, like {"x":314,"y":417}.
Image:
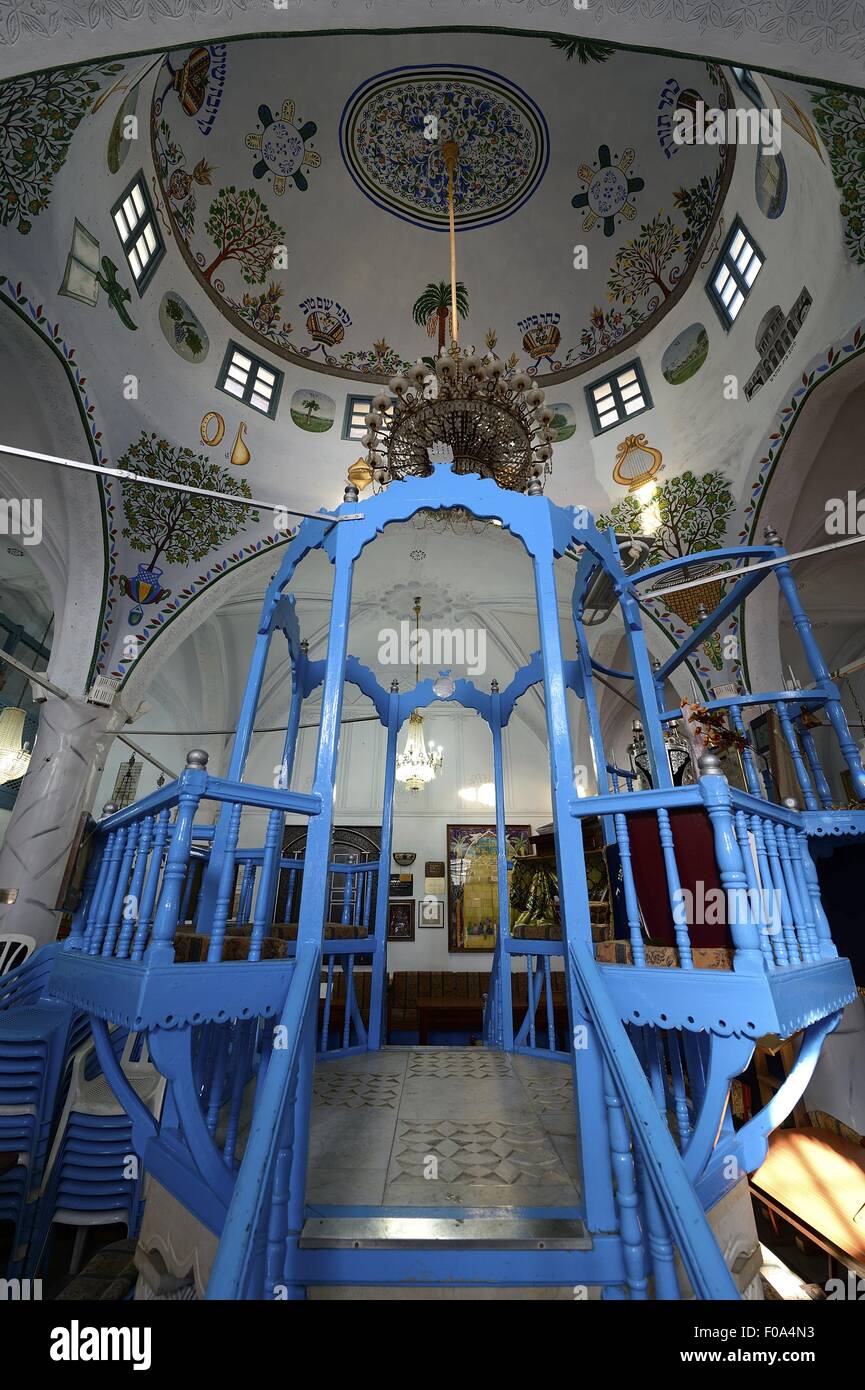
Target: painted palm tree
{"x":433,"y":308}
{"x":309,"y":405}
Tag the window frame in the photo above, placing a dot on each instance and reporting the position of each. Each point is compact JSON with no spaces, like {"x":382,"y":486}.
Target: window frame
{"x":148,"y":217}
{"x":249,"y":388}
{"x":350,"y":402}
{"x":611,"y":379}
{"x":722,"y":262}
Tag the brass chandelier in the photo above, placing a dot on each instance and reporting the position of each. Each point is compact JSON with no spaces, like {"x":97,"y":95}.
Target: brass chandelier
{"x":468,"y":407}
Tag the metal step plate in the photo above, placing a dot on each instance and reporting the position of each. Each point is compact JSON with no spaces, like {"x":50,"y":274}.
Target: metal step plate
{"x":464,"y":1233}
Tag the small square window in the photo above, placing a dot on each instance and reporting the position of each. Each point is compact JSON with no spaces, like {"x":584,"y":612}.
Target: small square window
{"x":618,"y":397}
{"x":139,"y":234}
{"x":356,"y":410}
{"x":250,"y":380}
{"x":734,"y":273}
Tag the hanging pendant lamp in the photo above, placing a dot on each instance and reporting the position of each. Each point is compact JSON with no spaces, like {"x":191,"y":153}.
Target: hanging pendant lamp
{"x":417,"y":765}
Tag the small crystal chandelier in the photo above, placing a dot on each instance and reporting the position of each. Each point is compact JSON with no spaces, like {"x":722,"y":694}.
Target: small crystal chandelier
{"x":493,"y":424}
{"x":417,"y":765}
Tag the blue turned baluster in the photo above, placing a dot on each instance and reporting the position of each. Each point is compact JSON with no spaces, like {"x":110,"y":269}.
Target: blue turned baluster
{"x":120,"y":904}
{"x":131,"y":917}
{"x":755,"y":894}
{"x":102,"y":909}
{"x":795,"y":754}
{"x":805,"y":910}
{"x":151,"y":886}
{"x":806,"y":738}
{"x":632,"y":910}
{"x":781,"y":901}
{"x":825,"y":945}
{"x":819,"y":670}
{"x":747,"y":956}
{"x":752,"y":777}
{"x":225,"y":886}
{"x":674,"y":889}
{"x":627,"y":1198}
{"x":769,"y":901}
{"x":193,"y":782}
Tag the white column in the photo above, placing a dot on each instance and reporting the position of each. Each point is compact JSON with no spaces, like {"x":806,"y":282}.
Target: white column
{"x":67,"y":762}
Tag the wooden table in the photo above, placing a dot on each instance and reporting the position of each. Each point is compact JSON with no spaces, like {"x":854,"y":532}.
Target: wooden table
{"x":815,"y":1180}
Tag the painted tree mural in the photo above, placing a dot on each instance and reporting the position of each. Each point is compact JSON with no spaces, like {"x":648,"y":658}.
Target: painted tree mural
{"x":840,"y":118}
{"x":39,"y":114}
{"x":697,"y":204}
{"x":685,"y":515}
{"x":693,"y":513}
{"x":243,"y":231}
{"x":180,"y":526}
{"x":584,"y":50}
{"x":640,"y":264}
{"x":432,"y":309}
{"x":309,"y":405}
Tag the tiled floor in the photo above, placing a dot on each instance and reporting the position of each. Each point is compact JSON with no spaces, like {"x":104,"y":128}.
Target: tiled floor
{"x":438,"y":1127}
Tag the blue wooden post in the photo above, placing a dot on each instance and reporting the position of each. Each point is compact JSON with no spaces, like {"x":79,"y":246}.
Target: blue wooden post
{"x":192,"y":783}
{"x":502,"y":955}
{"x":586,"y":1062}
{"x":377,"y":1011}
{"x":313,"y":897}
{"x":645,"y":689}
{"x":795,"y":753}
{"x":819,"y":670}
{"x":824,"y":791}
{"x":747,"y":956}
{"x":751,"y":775}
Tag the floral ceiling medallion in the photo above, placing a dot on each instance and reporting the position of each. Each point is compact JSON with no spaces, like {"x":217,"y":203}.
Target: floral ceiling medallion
{"x":608,"y":193}
{"x":394,"y":126}
{"x":283,"y":148}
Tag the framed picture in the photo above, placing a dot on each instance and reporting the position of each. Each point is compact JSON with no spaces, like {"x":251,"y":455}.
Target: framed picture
{"x":473,"y":895}
{"x":434,"y":868}
{"x":400,"y":920}
{"x":401,"y":886}
{"x":431,"y":912}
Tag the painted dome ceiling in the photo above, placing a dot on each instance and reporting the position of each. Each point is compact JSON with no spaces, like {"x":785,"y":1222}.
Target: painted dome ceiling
{"x":304,"y":182}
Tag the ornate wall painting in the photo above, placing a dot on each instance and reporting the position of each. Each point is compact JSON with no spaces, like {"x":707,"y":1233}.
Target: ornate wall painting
{"x":198,"y":80}
{"x":170,"y":531}
{"x":313,"y":411}
{"x":39,"y":114}
{"x":243,"y":234}
{"x":86,"y":274}
{"x":637,"y":462}
{"x":840,"y":118}
{"x":383,"y":146}
{"x":400,"y":920}
{"x":674,"y":98}
{"x":179,"y":183}
{"x":285,"y":155}
{"x":212,"y":428}
{"x":240,"y":455}
{"x":690,"y":513}
{"x":432,"y":310}
{"x":608,"y":192}
{"x":541,"y":338}
{"x":774,"y":340}
{"x":564,"y":421}
{"x":183,"y":330}
{"x":685,"y":355}
{"x":770,"y":184}
{"x":473,"y":898}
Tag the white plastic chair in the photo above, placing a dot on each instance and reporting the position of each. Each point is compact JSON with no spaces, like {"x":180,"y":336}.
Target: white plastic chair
{"x":14,"y":950}
{"x":95,"y":1097}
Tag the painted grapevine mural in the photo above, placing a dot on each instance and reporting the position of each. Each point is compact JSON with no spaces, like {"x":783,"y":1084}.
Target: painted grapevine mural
{"x":840,"y":118}
{"x":269,"y":184}
{"x":39,"y":115}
